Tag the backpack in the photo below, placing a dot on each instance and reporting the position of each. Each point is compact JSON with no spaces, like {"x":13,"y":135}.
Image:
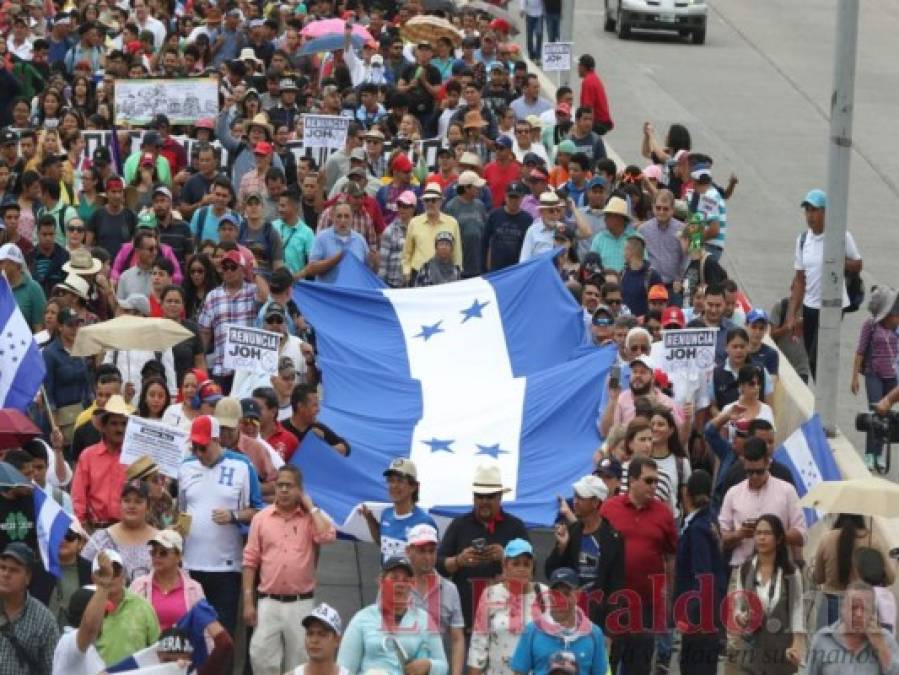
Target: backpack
{"x":267,"y":229}
{"x":855,"y":287}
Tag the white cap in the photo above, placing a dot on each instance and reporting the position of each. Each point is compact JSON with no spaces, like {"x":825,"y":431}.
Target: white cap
{"x":114,"y":557}
{"x":471,"y":178}
{"x":422,"y":534}
{"x":168,"y":539}
{"x":327,"y":615}
{"x":13,"y":253}
{"x":591,"y":486}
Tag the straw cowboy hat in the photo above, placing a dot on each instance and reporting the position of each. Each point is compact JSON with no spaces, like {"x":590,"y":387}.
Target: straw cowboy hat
{"x":82,"y":262}
{"x":116,"y":406}
{"x":488,"y":479}
{"x":473,"y":119}
{"x":261,"y":120}
{"x":616,"y":206}
{"x":75,"y":284}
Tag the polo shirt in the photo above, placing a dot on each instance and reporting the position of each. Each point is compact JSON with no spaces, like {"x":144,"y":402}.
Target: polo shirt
{"x":328,"y":243}
{"x":611,"y":248}
{"x":30,"y":299}
{"x":134,"y":280}
{"x":132,"y":626}
{"x":649,"y":534}
{"x":296,"y":243}
{"x":538,"y":239}
{"x":227,"y":484}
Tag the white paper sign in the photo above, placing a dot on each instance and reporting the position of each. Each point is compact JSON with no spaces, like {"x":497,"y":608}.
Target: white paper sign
{"x":251,"y":349}
{"x":556,"y":56}
{"x":183,"y":101}
{"x":324,"y":131}
{"x":688,"y":359}
{"x":164,"y":443}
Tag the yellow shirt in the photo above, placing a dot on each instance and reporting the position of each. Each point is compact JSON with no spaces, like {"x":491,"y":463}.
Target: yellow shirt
{"x":85,"y":415}
{"x":419,"y":246}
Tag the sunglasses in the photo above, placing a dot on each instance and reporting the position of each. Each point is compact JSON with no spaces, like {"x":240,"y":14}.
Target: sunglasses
{"x":159,"y":552}
{"x":71,"y":536}
{"x":274,"y":319}
{"x":229,"y":267}
{"x":69,"y":228}
{"x":486,"y":497}
{"x":613,"y":301}
{"x":602,"y":322}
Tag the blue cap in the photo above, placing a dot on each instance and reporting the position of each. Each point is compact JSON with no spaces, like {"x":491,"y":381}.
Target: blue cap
{"x":518,"y":547}
{"x":816,"y":199}
{"x":397,"y":562}
{"x":597,"y":181}
{"x":566,"y":576}
{"x":229,"y":217}
{"x":459,"y":67}
{"x":531,"y":158}
{"x":609,"y":467}
{"x":504,"y":142}
{"x":757,"y":315}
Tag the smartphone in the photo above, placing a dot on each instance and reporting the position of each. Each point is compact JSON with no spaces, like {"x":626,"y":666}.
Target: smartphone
{"x":615,"y":377}
{"x":479,"y":544}
{"x":750,"y":523}
{"x":562,"y":192}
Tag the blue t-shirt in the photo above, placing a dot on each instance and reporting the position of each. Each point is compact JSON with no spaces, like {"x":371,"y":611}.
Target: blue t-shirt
{"x":394,"y":529}
{"x":535,"y":648}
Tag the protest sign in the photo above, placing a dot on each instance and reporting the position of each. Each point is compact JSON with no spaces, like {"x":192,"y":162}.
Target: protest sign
{"x":164,"y":443}
{"x":556,"y":56}
{"x":324,"y":131}
{"x":251,"y":349}
{"x":687,"y":357}
{"x":183,"y":100}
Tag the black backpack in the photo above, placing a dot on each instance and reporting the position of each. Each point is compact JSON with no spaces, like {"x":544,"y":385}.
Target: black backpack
{"x":855,"y":286}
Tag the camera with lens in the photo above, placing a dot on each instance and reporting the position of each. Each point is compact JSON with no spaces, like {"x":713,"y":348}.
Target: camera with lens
{"x":884,"y":428}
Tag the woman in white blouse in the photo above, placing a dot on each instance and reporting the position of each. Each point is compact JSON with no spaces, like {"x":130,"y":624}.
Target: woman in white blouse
{"x":503,"y":612}
{"x":769,"y":611}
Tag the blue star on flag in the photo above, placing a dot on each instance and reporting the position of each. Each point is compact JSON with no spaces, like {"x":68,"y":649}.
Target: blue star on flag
{"x":428,"y":331}
{"x":492,"y":450}
{"x":438,"y":445}
{"x":474,"y":312}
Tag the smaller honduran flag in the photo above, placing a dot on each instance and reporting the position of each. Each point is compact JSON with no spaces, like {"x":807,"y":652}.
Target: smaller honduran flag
{"x":807,"y":454}
{"x":51,"y":523}
{"x":22,"y":367}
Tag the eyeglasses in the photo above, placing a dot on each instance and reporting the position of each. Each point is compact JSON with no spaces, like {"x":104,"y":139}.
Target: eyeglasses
{"x":274,"y":319}
{"x":756,"y":472}
{"x":71,"y":228}
{"x":641,"y":349}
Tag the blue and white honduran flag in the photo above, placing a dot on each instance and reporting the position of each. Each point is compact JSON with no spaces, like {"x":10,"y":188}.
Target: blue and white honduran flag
{"x":452,"y":376}
{"x":807,"y":454}
{"x":51,"y":525}
{"x":21,"y":364}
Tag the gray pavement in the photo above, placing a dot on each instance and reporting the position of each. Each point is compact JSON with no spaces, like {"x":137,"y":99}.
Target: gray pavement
{"x":756,"y":98}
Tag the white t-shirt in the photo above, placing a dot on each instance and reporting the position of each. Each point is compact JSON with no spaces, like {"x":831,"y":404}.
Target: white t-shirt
{"x":225,"y":485}
{"x":809,"y":258}
{"x":765,"y":411}
{"x":69,"y":660}
{"x":301,"y":670}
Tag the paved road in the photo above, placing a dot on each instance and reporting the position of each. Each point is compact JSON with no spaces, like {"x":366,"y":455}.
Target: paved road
{"x":756,"y":98}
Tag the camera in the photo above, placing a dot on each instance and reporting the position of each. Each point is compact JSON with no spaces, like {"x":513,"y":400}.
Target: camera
{"x":883,"y":428}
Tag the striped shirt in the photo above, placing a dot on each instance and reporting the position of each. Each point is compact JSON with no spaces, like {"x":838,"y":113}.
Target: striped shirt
{"x":222,"y":307}
{"x":713,"y":207}
{"x":670,"y":480}
{"x":879,"y":348}
{"x":663,"y":248}
{"x":390,"y":267}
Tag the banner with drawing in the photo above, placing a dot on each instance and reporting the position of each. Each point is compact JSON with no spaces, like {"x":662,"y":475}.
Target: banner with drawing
{"x":184,"y":100}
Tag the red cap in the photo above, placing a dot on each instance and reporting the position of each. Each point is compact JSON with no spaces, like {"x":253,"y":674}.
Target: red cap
{"x":401,"y":163}
{"x":147,"y":159}
{"x":134,"y":46}
{"x":234,"y":256}
{"x":661,"y":379}
{"x":538,"y":174}
{"x":742,"y":426}
{"x":204,"y":123}
{"x":563,"y":108}
{"x":263,"y":148}
{"x":203,"y":429}
{"x":115,"y":183}
{"x":657,"y":292}
{"x":500,"y":25}
{"x":673,"y":316}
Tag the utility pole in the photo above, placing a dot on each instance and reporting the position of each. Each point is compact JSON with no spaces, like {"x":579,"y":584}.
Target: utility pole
{"x":566,"y":34}
{"x":827,"y":384}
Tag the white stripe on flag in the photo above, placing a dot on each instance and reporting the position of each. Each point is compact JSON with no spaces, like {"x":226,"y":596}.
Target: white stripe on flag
{"x":454,"y":338}
{"x":800,"y":454}
{"x":16,"y":331}
{"x":48,"y":512}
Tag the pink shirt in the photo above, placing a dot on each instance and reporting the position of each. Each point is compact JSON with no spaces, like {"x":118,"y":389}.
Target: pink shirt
{"x":740,"y":503}
{"x":126,"y":258}
{"x":625,"y":410}
{"x":282,"y":548}
{"x":169,"y":606}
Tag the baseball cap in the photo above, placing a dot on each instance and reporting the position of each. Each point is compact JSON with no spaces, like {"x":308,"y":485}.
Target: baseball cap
{"x":8,"y":137}
{"x":352,"y":189}
{"x":504,"y":141}
{"x":517,"y":189}
{"x":174,"y":641}
{"x":253,"y":195}
{"x":422,"y":534}
{"x":701,"y":175}
{"x":517,"y":547}
{"x":401,"y":163}
{"x":263,"y":148}
{"x":567,"y":146}
{"x":563,"y":662}
{"x":162,"y":190}
{"x":643,"y":361}
{"x":407,"y":197}
{"x":152,"y":138}
{"x":68,"y":316}
{"x":249,"y":409}
{"x":673,"y":316}
{"x":228,"y":412}
{"x":531,"y":158}
{"x":274,"y":308}
{"x":564,"y":576}
{"x":233,"y":257}
{"x":563,"y":108}
{"x":136,"y":302}
{"x":609,"y":467}
{"x":168,"y":539}
{"x":444,"y":236}
{"x":402,"y":466}
{"x":209,"y":392}
{"x":597,"y":181}
{"x":114,"y":183}
{"x":538,"y":174}
{"x":467,"y":178}
{"x":756,"y":316}
{"x":607,"y":319}
{"x":358,"y":154}
{"x":326,"y":615}
{"x":19,"y":552}
{"x":147,"y":220}
{"x":114,"y":557}
{"x":147,"y":159}
{"x":12,"y":253}
{"x":590,"y":487}
{"x":203,"y":429}
{"x":101,"y":155}
{"x":816,"y":199}
{"x":397,"y":561}
{"x":657,"y":292}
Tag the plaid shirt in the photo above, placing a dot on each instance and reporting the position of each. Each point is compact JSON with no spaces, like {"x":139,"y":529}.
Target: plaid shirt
{"x":221,"y":308}
{"x":390,"y":268}
{"x":378,"y":167}
{"x":35,"y":630}
{"x":361,"y":223}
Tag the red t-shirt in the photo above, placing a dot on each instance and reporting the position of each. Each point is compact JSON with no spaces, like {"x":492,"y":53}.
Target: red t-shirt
{"x":443,"y":182}
{"x":648,"y":534}
{"x":498,"y":177}
{"x":593,"y":95}
{"x":283,"y":442}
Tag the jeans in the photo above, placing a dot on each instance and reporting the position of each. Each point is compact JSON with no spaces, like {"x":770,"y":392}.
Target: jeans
{"x":553,"y":27}
{"x":810,"y":318}
{"x":876,"y":388}
{"x":222,"y":590}
{"x":534,"y":26}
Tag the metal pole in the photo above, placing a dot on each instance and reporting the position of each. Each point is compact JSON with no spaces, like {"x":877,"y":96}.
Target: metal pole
{"x":827,"y":385}
{"x":566,"y":34}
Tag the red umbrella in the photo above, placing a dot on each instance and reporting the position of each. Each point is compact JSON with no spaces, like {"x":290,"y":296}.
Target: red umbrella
{"x":15,"y":429}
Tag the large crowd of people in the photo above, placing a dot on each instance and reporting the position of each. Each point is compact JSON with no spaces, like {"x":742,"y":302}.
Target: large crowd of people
{"x":684,"y":544}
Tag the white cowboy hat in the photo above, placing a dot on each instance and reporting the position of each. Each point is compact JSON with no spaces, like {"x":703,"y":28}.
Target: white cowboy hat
{"x":488,"y":479}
